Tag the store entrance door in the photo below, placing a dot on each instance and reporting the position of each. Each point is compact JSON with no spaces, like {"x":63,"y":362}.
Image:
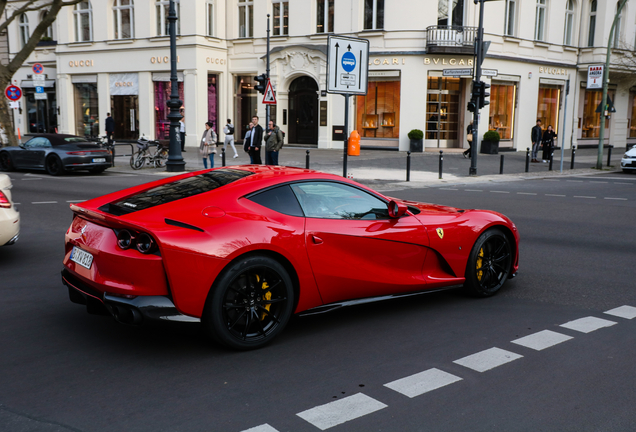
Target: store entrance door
{"x":124,"y":110}
{"x":42,"y":112}
{"x":303,"y":111}
{"x":442,"y":111}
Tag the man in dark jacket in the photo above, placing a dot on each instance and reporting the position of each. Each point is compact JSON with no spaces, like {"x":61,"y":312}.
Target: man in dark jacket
{"x":110,"y":128}
{"x":256,"y":141}
{"x":537,"y":134}
{"x":273,"y":143}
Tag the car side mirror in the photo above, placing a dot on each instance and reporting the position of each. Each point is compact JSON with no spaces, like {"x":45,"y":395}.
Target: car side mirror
{"x":396,"y":209}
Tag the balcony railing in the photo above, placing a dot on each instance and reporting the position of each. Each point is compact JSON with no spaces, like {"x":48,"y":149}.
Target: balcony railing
{"x":450,"y":39}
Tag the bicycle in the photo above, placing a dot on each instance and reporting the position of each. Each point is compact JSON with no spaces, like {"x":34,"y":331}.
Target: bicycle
{"x":149,"y":152}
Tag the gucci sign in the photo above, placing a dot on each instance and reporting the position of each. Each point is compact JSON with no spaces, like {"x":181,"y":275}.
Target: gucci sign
{"x":214,"y":60}
{"x":80,"y":63}
{"x":164,"y":59}
{"x":123,"y":84}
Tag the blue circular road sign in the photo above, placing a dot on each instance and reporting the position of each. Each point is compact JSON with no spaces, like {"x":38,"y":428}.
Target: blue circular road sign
{"x":348,"y":61}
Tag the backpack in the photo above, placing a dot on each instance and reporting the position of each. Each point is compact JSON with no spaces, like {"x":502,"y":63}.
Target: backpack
{"x":230,"y":130}
{"x":282,"y":140}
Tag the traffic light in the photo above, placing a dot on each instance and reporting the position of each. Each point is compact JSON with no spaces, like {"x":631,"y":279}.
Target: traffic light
{"x":474,"y":97}
{"x":483,"y":94}
{"x":262,"y":83}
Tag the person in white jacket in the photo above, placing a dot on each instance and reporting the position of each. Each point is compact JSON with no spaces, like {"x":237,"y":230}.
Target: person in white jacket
{"x":228,"y":130}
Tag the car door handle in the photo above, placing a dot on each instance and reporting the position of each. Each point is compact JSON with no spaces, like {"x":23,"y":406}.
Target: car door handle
{"x":316,"y":239}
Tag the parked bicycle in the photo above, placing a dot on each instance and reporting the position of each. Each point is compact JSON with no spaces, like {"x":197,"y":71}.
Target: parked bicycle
{"x":149,"y":152}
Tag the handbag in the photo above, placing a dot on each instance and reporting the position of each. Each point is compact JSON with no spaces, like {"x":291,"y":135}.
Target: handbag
{"x":469,"y":137}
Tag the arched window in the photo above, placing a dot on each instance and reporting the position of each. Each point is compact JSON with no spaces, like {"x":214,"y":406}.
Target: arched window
{"x":163,"y":25}
{"x":617,"y":29}
{"x":24,"y":30}
{"x":49,"y":30}
{"x":569,"y":22}
{"x":540,"y":20}
{"x":83,"y":15}
{"x":592,"y":27}
{"x":123,"y":18}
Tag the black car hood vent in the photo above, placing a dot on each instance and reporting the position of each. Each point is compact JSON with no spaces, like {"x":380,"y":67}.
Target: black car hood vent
{"x":174,"y":191}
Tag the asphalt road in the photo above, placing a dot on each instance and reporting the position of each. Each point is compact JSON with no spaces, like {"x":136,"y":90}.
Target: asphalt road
{"x":64,"y":370}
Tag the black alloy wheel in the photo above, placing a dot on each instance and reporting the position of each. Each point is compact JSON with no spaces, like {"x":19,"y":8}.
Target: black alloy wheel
{"x":54,"y":165}
{"x":6,"y":163}
{"x":489,"y":263}
{"x":250,"y":304}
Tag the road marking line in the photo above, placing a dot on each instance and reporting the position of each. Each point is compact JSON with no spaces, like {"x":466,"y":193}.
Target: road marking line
{"x":618,"y":199}
{"x":597,"y":181}
{"x":447,"y":189}
{"x":551,"y":180}
{"x":587,"y":324}
{"x":541,"y":340}
{"x":32,"y":178}
{"x":575,"y":181}
{"x":556,"y":195}
{"x":341,"y":411}
{"x":526,"y":193}
{"x":627,"y":312}
{"x":74,"y":201}
{"x":488,"y":359}
{"x":44,"y":202}
{"x":499,"y":191}
{"x":262,"y":428}
{"x":473,"y":190}
{"x":623,"y":183}
{"x":583,"y":196}
{"x":422,"y":382}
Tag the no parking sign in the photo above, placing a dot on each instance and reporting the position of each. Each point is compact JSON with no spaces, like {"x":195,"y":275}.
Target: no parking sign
{"x":13,"y":93}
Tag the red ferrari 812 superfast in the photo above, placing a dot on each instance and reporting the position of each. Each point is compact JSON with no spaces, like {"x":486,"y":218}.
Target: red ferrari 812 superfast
{"x":242,"y":248}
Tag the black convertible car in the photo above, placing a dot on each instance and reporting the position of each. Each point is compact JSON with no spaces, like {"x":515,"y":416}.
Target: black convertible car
{"x":56,"y":153}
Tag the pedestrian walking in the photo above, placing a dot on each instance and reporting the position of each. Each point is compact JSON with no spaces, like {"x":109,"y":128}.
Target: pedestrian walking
{"x":246,"y":140}
{"x":228,"y":130}
{"x":536,"y":136}
{"x":110,"y":129}
{"x":548,"y":143}
{"x":207,"y":148}
{"x":182,"y":133}
{"x":256,"y":142}
{"x":273,"y":144}
{"x":469,"y":137}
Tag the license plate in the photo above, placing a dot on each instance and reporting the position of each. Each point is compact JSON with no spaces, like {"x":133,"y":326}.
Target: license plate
{"x":82,"y":257}
{"x":99,"y":160}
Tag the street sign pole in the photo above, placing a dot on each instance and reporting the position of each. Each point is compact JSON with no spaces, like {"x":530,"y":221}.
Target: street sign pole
{"x":175,"y":157}
{"x":346,"y":136}
{"x":479,"y":58}
{"x":565,"y":111}
{"x":267,"y":113}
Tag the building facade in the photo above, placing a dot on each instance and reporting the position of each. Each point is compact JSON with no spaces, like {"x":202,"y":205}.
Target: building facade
{"x":113,"y":56}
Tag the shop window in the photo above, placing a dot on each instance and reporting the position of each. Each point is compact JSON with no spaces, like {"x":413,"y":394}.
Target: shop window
{"x":86,"y":110}
{"x":281,"y":18}
{"x":213,"y":101}
{"x":511,"y":11}
{"x":442,"y":108}
{"x":24,"y":30}
{"x":548,"y":106}
{"x":631,"y":125}
{"x":591,"y":121}
{"x":540,"y":20}
{"x":163,"y":10}
{"x":246,"y":18}
{"x":162,"y":96}
{"x":592,"y":27}
{"x":324,"y":15}
{"x":83,"y":20}
{"x":245,"y":105}
{"x":378,"y":113}
{"x":502,"y":109}
{"x":373,"y":14}
{"x":123,"y":19}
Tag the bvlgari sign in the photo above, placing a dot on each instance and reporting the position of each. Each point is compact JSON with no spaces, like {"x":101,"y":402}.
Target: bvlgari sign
{"x":123,"y":84}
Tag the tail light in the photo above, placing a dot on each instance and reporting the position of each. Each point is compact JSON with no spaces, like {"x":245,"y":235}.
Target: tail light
{"x":4,"y":201}
{"x":124,"y":239}
{"x":85,"y":152}
{"x":143,"y":242}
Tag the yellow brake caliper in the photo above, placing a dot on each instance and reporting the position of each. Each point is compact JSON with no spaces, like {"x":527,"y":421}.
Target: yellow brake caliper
{"x":266,"y":296}
{"x":480,"y":257}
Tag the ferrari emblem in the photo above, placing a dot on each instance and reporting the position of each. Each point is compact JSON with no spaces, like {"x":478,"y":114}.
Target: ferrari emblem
{"x":440,"y":233}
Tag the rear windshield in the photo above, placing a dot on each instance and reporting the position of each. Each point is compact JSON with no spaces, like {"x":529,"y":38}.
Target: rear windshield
{"x":174,"y":191}
{"x":75,"y":140}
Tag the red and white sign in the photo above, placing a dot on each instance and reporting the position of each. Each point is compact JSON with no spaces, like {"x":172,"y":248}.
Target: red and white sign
{"x":595,"y":77}
{"x":38,"y":68}
{"x":269,"y":97}
{"x":13,"y":93}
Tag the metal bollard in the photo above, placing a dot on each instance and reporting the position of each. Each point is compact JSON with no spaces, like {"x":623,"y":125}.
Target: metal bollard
{"x":573,"y":155}
{"x":551,"y":159}
{"x":609,"y":154}
{"x":307,"y":160}
{"x":408,"y":166}
{"x":112,"y":152}
{"x":441,"y":163}
{"x":527,"y":159}
{"x":222,"y":157}
{"x":501,"y":162}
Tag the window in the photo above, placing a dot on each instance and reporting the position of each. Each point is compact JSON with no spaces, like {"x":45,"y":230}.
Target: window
{"x":378,"y":112}
{"x":163,"y":89}
{"x":246,"y":18}
{"x":209,"y":15}
{"x":373,"y":14}
{"x":442,"y":107}
{"x":511,"y":10}
{"x":453,"y":18}
{"x":591,"y":121}
{"x":24,"y":30}
{"x":502,"y":108}
{"x":123,"y":19}
{"x":631,"y":125}
{"x":569,"y":22}
{"x":617,"y":29}
{"x":539,"y":23}
{"x":213,"y":100}
{"x":86,"y":110}
{"x":83,"y":15}
{"x":331,"y":200}
{"x":324,"y":15}
{"x":245,"y":104}
{"x":280,"y":199}
{"x":548,"y":106}
{"x":49,"y":30}
{"x":163,"y":24}
{"x":281,"y":18}
{"x":592,"y":28}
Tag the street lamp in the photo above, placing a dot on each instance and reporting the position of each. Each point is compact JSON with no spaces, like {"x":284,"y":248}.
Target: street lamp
{"x":175,"y":158}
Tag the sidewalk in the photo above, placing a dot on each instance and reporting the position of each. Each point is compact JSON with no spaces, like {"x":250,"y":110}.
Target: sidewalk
{"x":381,"y":168}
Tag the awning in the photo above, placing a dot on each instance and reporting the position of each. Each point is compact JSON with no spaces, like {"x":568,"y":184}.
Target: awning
{"x":29,"y":83}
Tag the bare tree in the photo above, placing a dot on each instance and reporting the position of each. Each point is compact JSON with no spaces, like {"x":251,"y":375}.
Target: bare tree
{"x":52,"y":8}
{"x":623,"y":64}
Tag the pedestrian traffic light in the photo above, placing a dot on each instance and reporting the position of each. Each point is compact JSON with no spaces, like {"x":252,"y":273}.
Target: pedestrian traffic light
{"x":262,"y":83}
{"x":483,"y":94}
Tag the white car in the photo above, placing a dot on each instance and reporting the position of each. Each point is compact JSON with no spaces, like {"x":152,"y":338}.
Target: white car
{"x":628,"y":163}
{"x":9,"y":216}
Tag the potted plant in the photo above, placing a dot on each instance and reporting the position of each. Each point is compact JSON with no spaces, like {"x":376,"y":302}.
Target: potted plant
{"x":417,"y":140}
{"x":490,"y":143}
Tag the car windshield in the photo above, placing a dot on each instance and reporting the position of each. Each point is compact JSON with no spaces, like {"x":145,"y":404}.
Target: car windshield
{"x":174,"y":191}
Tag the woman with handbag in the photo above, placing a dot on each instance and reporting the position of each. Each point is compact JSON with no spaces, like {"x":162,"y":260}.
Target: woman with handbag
{"x":548,"y":143}
{"x":207,"y":148}
{"x":469,"y":137}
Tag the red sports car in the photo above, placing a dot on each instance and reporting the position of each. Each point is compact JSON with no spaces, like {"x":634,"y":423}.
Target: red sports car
{"x":243,"y":248}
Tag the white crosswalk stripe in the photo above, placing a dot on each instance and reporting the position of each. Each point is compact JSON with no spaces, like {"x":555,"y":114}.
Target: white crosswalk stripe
{"x":422,"y":382}
{"x":587,"y":324}
{"x":627,"y":312}
{"x":542,"y":340}
{"x":341,"y":411}
{"x":488,"y":359}
{"x":262,"y":428}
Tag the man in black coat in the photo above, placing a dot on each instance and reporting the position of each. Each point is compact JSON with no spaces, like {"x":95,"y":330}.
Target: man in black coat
{"x":256,"y":141}
{"x":110,"y":128}
{"x":537,"y":135}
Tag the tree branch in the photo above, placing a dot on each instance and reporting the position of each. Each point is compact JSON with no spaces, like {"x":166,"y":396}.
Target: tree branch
{"x":25,"y":8}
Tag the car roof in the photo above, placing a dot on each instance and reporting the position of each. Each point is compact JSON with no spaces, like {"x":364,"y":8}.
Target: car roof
{"x":57,"y":139}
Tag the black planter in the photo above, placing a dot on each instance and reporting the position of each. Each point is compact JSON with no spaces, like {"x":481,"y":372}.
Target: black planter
{"x":489,"y":147}
{"x":417,"y":145}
